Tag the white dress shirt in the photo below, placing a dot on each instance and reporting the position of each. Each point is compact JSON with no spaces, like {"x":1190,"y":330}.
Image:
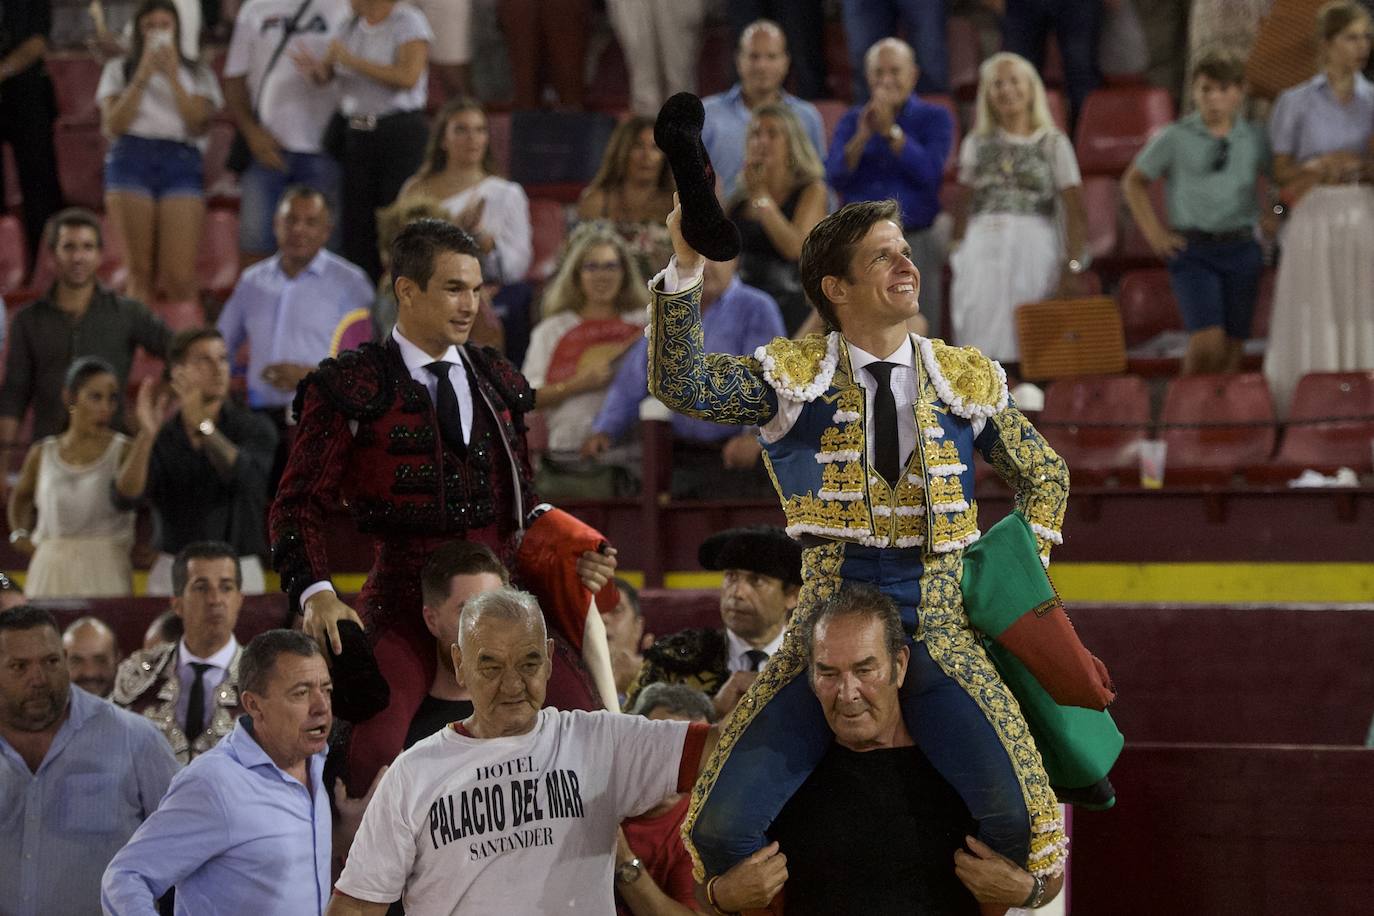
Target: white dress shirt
{"x":737,"y":650}
{"x":213,"y":677}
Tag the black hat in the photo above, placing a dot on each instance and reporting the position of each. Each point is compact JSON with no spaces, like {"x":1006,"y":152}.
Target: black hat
{"x":762,"y":549}
{"x":677,"y":132}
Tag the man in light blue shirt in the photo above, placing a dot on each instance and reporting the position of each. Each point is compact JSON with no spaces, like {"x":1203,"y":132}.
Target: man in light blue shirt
{"x":77,"y":774}
{"x":762,"y":62}
{"x":246,"y":827}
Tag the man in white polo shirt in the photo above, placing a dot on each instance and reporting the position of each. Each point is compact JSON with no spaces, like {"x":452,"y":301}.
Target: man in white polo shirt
{"x":280,"y":112}
{"x":513,"y":810}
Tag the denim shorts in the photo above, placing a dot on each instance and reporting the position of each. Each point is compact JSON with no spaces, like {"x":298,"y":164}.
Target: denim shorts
{"x":1216,"y":285}
{"x":154,"y":168}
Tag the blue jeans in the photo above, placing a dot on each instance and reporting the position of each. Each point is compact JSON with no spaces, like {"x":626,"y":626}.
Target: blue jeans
{"x":1076,"y":23}
{"x":869,"y":21}
{"x":1216,"y":285}
{"x":787,"y":738}
{"x":260,"y":188}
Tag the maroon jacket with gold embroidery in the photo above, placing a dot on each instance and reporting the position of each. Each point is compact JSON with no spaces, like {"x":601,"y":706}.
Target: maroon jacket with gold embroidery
{"x":368,"y":435}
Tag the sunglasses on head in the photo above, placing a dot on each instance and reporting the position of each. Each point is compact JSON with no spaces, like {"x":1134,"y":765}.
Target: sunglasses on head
{"x":1223,"y":154}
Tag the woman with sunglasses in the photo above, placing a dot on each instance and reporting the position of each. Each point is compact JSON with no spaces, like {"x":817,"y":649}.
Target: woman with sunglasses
{"x":594,"y":310}
{"x":1020,"y":174}
{"x":1211,"y":160}
{"x":1322,"y":131}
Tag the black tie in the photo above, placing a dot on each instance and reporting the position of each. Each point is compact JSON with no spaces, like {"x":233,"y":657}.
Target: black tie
{"x":195,"y":704}
{"x":885,"y":456}
{"x":756,"y":659}
{"x":450,"y":414}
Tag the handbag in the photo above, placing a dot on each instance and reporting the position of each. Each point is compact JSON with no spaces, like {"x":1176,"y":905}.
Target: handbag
{"x":240,"y":156}
{"x":1062,"y":337}
{"x":575,"y":478}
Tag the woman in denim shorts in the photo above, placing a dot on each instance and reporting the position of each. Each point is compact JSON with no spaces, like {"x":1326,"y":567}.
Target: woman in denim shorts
{"x":157,"y":104}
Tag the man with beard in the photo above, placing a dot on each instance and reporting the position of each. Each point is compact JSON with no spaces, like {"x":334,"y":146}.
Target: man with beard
{"x":77,"y":774}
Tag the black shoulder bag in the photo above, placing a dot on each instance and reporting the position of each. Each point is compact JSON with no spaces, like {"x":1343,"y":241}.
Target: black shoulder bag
{"x":240,"y":156}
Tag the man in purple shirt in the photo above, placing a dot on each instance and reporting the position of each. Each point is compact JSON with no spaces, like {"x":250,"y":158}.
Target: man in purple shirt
{"x":246,"y":827}
{"x":896,"y":146}
{"x":708,"y":458}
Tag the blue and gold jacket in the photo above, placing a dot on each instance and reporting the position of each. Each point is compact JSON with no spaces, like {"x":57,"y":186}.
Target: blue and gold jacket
{"x":819,"y":466}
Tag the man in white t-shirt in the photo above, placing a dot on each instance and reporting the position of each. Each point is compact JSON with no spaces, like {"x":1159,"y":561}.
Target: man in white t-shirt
{"x":513,"y":810}
{"x":281,"y":112}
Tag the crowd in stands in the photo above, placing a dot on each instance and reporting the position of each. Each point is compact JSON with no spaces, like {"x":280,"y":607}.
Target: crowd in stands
{"x":336,"y":152}
{"x":131,"y":384}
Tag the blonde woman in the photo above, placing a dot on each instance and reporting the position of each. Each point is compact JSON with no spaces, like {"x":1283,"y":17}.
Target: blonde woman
{"x":633,"y":189}
{"x":1320,"y":133}
{"x":778,"y":199}
{"x":594,"y":309}
{"x":1019,"y":233}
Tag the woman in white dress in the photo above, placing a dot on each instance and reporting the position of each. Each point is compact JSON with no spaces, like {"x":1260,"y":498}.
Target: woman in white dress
{"x":80,"y":541}
{"x":458,"y":171}
{"x":1020,"y":174}
{"x":1320,"y":132}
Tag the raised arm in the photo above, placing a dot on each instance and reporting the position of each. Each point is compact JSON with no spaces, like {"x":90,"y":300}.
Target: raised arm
{"x":1040,"y":478}
{"x":709,"y":386}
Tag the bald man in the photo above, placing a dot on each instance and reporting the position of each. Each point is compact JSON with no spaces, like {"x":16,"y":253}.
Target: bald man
{"x":92,"y":655}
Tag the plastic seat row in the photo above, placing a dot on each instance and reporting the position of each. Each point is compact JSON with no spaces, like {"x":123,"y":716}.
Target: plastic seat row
{"x":1216,"y":426}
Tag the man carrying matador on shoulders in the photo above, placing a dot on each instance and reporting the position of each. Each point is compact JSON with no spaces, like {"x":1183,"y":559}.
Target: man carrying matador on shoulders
{"x":869,"y":434}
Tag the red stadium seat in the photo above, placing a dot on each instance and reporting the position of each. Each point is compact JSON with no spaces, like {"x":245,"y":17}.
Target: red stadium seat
{"x":498,"y":133}
{"x":1115,"y":123}
{"x":549,"y":226}
{"x":1147,"y":304}
{"x":1134,"y":247}
{"x":609,"y":89}
{"x":1096,"y":423}
{"x":221,"y":185}
{"x":1101,"y":200}
{"x":716,"y":64}
{"x":81,"y":164}
{"x":179,"y":316}
{"x":965,"y":52}
{"x":75,"y":76}
{"x":839,"y":73}
{"x":217,"y":264}
{"x":1059,"y":109}
{"x":1330,"y":425}
{"x":114,"y":268}
{"x":1216,"y":425}
{"x":13,"y":195}
{"x":952,"y":159}
{"x":14,"y":255}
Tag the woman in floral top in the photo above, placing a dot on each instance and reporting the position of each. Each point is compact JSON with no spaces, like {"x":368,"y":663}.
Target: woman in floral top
{"x":1021,"y":175}
{"x":633,"y":191}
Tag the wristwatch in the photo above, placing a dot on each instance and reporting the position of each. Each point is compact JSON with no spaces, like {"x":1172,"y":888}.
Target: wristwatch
{"x":894,"y":133}
{"x":1037,"y":894}
{"x":629,"y":872}
{"x":206,"y":427}
{"x":1076,"y":266}
{"x":19,"y":534}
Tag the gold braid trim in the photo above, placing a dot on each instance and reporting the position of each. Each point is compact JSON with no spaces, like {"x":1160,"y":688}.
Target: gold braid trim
{"x":1023,"y":458}
{"x":820,"y":578}
{"x":709,"y":386}
{"x":949,"y":638}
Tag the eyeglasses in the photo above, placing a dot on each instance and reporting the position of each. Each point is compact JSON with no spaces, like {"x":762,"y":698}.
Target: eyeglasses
{"x":601,"y":267}
{"x":1223,"y":154}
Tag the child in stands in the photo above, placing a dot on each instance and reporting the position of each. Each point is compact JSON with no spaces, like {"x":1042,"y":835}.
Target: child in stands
{"x":1212,"y":159}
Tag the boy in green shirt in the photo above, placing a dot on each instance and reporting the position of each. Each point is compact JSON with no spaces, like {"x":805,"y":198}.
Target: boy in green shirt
{"x":1212,"y":159}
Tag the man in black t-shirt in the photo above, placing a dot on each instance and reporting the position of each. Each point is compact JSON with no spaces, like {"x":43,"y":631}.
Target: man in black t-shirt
{"x":875,"y":829}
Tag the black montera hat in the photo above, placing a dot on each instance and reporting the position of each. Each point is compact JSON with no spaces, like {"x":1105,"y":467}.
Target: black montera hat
{"x":762,"y":549}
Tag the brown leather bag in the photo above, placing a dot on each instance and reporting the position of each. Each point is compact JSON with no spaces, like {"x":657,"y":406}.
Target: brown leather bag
{"x":1063,"y":337}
